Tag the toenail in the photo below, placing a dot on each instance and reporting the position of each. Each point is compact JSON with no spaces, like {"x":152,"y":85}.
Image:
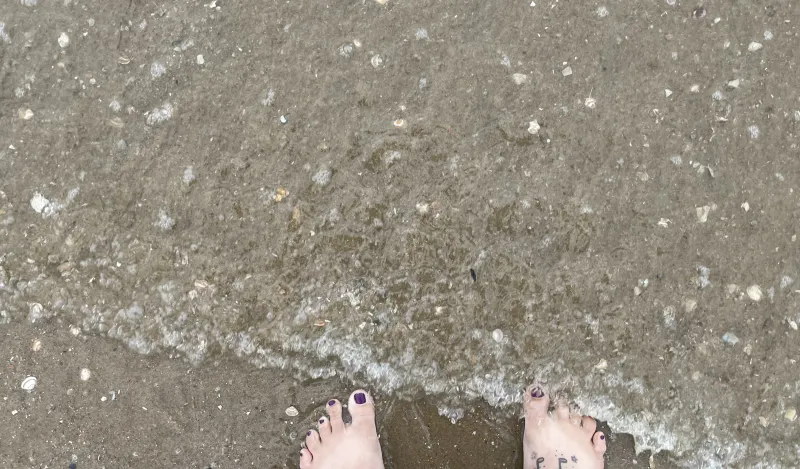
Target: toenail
{"x":537,"y":392}
{"x":308,"y":433}
{"x":331,"y":403}
{"x":360,"y":398}
{"x":602,"y":437}
{"x":321,"y":421}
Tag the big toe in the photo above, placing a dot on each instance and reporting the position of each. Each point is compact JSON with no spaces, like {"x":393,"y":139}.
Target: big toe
{"x":362,"y":409}
{"x":535,"y":402}
{"x":599,"y":442}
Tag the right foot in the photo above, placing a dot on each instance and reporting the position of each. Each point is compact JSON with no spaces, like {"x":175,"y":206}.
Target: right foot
{"x":339,"y":446}
{"x":566,"y":440}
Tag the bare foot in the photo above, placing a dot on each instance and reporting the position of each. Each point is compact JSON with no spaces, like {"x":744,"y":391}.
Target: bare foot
{"x":339,"y":446}
{"x":565,"y":440}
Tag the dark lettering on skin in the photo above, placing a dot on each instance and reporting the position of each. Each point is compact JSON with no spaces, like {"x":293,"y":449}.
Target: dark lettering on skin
{"x":574,"y":459}
{"x":539,"y":462}
{"x":561,"y":461}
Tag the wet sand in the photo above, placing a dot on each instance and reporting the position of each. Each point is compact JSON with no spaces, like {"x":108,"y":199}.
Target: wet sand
{"x":162,"y":412}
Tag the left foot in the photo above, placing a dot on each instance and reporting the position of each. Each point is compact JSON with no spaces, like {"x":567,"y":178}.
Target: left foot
{"x":339,"y":446}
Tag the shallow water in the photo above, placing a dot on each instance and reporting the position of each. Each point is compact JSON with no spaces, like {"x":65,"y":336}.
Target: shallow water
{"x":611,"y":251}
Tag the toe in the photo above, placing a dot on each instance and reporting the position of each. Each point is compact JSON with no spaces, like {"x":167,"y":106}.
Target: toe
{"x":575,"y":416}
{"x":589,"y":425}
{"x":562,"y":410}
{"x":535,"y":402}
{"x":324,"y":426}
{"x":305,"y":458}
{"x":334,"y":408}
{"x":361,"y":408}
{"x":599,"y":442}
{"x":312,"y":441}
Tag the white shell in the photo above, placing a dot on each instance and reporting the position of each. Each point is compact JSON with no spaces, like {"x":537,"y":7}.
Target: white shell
{"x":29,"y":383}
{"x":497,"y":335}
{"x":754,"y":292}
{"x":291,"y":411}
{"x":85,"y":374}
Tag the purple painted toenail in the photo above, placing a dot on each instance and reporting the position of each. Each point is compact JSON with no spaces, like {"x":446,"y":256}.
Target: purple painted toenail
{"x":537,"y":392}
{"x":602,"y":437}
{"x":308,"y":433}
{"x":321,"y":421}
{"x":331,"y":403}
{"x":360,"y":398}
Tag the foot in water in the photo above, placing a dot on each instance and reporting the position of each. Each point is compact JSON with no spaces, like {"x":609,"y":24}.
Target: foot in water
{"x":564,"y":440}
{"x":336,"y":445}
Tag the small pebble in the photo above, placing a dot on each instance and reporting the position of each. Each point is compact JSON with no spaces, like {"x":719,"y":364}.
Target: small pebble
{"x":188,"y":175}
{"x":790,"y":414}
{"x":37,"y":345}
{"x":767,"y":35}
{"x":754,"y":293}
{"x":753,"y":131}
{"x":200,"y":59}
{"x":85,"y":374}
{"x":667,"y":93}
{"x":590,"y":102}
{"x":754,"y":46}
{"x":283,"y":119}
{"x":733,"y":84}
{"x":63,"y":40}
{"x":601,"y":365}
{"x":519,"y":78}
{"x":567,"y":71}
{"x":702,"y":213}
{"x":497,"y":335}
{"x":322,"y":177}
{"x":533,"y":127}
{"x":602,"y":12}
{"x":730,"y":338}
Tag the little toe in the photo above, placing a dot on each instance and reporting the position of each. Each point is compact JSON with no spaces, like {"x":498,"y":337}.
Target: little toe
{"x":305,"y":458}
{"x":589,"y":425}
{"x":535,"y":401}
{"x":334,"y":409}
{"x":599,"y":442}
{"x":313,"y":441}
{"x":324,"y":426}
{"x":361,"y":408}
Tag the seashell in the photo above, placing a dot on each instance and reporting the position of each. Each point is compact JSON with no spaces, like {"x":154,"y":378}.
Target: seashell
{"x":29,"y":383}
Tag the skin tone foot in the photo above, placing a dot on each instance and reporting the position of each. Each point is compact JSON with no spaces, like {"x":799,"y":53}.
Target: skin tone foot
{"x":336,"y":445}
{"x":564,"y":439}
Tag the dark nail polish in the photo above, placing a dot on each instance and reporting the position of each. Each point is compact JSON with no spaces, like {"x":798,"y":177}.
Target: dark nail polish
{"x":321,"y":421}
{"x":602,"y":437}
{"x":331,"y":403}
{"x":308,"y":433}
{"x":360,"y":398}
{"x":537,"y":392}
